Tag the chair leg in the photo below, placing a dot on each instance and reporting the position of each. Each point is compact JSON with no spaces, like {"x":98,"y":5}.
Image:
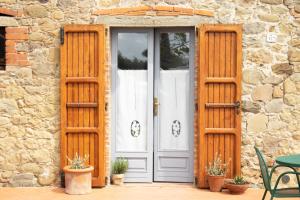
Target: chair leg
{"x":265,"y":193}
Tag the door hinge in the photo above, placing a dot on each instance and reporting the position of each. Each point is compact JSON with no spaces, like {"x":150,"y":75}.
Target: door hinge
{"x":106,"y":31}
{"x":196,"y":106}
{"x":106,"y":106}
{"x":62,"y":35}
{"x":197,"y":32}
{"x":106,"y":180}
{"x":196,"y":180}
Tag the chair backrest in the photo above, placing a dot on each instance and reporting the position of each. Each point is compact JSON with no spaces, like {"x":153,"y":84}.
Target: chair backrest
{"x":264,"y":170}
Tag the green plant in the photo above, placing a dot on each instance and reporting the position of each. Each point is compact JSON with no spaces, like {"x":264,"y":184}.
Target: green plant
{"x":239,"y":180}
{"x":120,"y":166}
{"x":78,"y":162}
{"x":217,"y":168}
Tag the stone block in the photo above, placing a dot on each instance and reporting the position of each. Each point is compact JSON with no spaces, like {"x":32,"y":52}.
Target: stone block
{"x":257,"y":123}
{"x":289,"y":86}
{"x":254,"y":28}
{"x":36,"y":11}
{"x":272,"y":2}
{"x":268,"y":17}
{"x":274,"y":80}
{"x":8,"y":21}
{"x":294,"y":55}
{"x":291,"y":99}
{"x":262,"y":93}
{"x":252,"y":76}
{"x":277,"y":92}
{"x":274,"y":106}
{"x":249,"y":106}
{"x":282,"y":68}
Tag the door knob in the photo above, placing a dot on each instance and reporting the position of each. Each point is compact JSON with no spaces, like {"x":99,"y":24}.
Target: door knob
{"x":155,"y":106}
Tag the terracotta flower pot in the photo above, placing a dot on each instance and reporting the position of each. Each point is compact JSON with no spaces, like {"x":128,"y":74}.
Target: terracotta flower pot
{"x":78,"y":181}
{"x":237,"y":189}
{"x":118,"y":179}
{"x":215,"y":183}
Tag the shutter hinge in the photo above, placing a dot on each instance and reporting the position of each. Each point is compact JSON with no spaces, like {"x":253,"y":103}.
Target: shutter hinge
{"x":196,"y":106}
{"x":197,"y":32}
{"x":105,"y":106}
{"x":62,"y":35}
{"x":196,"y":181}
{"x":106,"y":31}
{"x":106,"y":180}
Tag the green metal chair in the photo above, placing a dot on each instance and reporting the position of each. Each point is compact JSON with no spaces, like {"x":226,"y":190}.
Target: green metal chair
{"x":276,"y":192}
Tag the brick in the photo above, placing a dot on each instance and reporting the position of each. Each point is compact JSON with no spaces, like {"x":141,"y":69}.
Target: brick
{"x":166,"y":13}
{"x":8,"y":12}
{"x":184,"y":11}
{"x":203,"y":12}
{"x":136,"y":13}
{"x":16,"y":56}
{"x":10,"y":43}
{"x":16,"y":30}
{"x":10,"y":50}
{"x":11,"y":56}
{"x":23,"y":63}
{"x":164,"y":8}
{"x":141,"y":8}
{"x":11,"y":61}
{"x":22,"y":56}
{"x":17,"y":36}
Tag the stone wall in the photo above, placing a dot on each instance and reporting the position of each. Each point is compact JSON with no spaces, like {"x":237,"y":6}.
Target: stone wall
{"x":29,"y":93}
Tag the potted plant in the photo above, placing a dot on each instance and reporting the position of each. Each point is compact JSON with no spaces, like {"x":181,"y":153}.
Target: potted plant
{"x":238,"y":185}
{"x":216,"y":174}
{"x":119,"y":167}
{"x":78,"y":176}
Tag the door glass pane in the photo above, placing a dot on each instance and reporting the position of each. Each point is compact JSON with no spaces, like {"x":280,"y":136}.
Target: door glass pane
{"x":174,"y":91}
{"x":174,"y":50}
{"x":132,"y":93}
{"x":132,"y":51}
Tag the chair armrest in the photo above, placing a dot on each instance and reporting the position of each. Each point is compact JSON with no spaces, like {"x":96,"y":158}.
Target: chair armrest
{"x":283,"y":174}
{"x":276,"y":166}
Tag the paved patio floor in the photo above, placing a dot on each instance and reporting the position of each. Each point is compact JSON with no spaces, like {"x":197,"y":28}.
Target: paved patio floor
{"x":155,"y":191}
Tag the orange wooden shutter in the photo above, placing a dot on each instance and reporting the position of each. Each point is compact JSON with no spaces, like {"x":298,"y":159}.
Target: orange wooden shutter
{"x":83,"y":96}
{"x":219,"y":96}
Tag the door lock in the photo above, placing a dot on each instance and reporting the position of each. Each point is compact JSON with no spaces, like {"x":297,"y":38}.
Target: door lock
{"x":155,"y":106}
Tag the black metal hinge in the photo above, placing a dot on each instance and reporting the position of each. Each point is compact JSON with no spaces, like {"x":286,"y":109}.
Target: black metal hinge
{"x":62,"y":35}
{"x":106,"y":180}
{"x":196,"y":106}
{"x":106,"y":31}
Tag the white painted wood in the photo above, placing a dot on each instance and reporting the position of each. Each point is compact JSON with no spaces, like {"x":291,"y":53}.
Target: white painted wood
{"x":138,"y":150}
{"x":173,"y":155}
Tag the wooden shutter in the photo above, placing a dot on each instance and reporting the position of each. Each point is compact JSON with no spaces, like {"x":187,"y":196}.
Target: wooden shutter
{"x":219,"y":95}
{"x":83,"y":96}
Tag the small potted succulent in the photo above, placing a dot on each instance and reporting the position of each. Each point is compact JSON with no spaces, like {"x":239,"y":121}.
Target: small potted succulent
{"x":78,"y":175}
{"x":216,"y":174}
{"x":119,"y":167}
{"x":237,"y":186}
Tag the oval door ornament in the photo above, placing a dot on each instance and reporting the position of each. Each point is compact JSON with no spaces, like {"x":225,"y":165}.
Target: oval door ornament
{"x":176,"y":128}
{"x":135,"y":128}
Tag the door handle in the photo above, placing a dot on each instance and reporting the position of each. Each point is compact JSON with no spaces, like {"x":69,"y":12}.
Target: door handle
{"x":155,"y":106}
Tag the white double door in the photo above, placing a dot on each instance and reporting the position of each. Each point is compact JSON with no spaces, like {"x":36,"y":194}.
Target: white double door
{"x":152,"y":94}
